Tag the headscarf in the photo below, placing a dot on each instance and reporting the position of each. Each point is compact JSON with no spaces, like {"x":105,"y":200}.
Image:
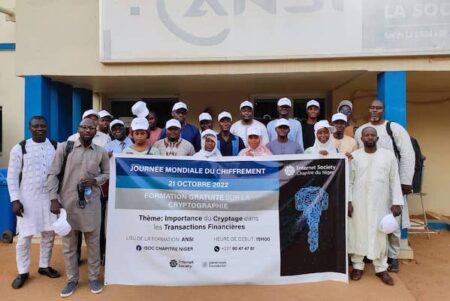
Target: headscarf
{"x":260,"y":150}
{"x":203,"y":153}
{"x":329,"y":146}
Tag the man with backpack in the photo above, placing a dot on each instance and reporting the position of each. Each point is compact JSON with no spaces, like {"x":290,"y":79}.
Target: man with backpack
{"x":29,"y":163}
{"x":394,"y":137}
{"x":79,"y":169}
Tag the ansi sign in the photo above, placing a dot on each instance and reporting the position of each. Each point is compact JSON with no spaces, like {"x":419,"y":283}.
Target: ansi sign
{"x":199,"y":8}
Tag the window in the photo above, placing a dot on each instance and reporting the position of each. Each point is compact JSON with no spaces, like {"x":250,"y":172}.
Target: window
{"x":265,"y":110}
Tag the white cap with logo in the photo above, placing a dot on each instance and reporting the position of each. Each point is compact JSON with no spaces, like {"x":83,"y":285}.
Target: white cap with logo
{"x":284,"y":102}
{"x":388,"y":224}
{"x":116,"y":122}
{"x":338,"y":116}
{"x":139,"y":123}
{"x":313,"y":102}
{"x":253,"y":131}
{"x":89,"y":113}
{"x":224,"y":114}
{"x":179,"y":105}
{"x":281,"y":122}
{"x":139,"y":109}
{"x":204,"y":116}
{"x":61,"y":226}
{"x":173,"y":123}
{"x":104,"y":113}
{"x":246,"y":103}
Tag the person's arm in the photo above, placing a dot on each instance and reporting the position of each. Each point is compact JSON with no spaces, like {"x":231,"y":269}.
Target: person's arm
{"x":104,"y":169}
{"x":14,"y":169}
{"x":351,"y":183}
{"x":407,"y":155}
{"x":52,"y":178}
{"x":299,"y":138}
{"x":395,"y":187}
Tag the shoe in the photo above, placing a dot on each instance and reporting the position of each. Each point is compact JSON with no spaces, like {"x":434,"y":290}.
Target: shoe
{"x":386,"y":278}
{"x":20,"y":280}
{"x":69,"y":289}
{"x":356,"y":274}
{"x":394,"y":266}
{"x":49,"y":272}
{"x":96,"y":287}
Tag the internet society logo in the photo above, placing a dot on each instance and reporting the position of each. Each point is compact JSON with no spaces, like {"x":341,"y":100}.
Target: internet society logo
{"x":173,"y":263}
{"x":289,"y":170}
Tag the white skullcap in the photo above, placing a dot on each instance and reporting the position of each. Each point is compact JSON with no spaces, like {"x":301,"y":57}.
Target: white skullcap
{"x":253,"y":131}
{"x":388,"y":224}
{"x":284,"y":102}
{"x":139,"y":109}
{"x":173,"y":123}
{"x":89,"y":113}
{"x":224,"y":115}
{"x":139,"y":123}
{"x":246,"y":104}
{"x":179,"y":105}
{"x":115,"y":122}
{"x":338,"y":116}
{"x":282,"y":121}
{"x":345,"y":102}
{"x":324,"y":124}
{"x":61,"y":226}
{"x":313,"y":102}
{"x":204,"y":116}
{"x":104,"y":113}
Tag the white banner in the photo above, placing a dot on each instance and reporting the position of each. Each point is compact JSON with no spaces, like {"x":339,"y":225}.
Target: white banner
{"x":178,"y":221}
{"x":189,"y":30}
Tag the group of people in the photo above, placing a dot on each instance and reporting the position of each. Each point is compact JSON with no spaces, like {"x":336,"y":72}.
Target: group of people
{"x":45,"y":180}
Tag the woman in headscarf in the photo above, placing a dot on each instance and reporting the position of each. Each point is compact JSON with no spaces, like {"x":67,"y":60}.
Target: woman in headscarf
{"x":323,"y":145}
{"x":139,"y":134}
{"x":255,"y":146}
{"x":209,"y":150}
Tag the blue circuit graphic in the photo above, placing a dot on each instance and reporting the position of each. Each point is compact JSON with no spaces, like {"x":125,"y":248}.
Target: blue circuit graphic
{"x":312,"y":201}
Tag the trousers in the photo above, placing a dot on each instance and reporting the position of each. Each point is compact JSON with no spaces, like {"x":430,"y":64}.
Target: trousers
{"x":23,"y":251}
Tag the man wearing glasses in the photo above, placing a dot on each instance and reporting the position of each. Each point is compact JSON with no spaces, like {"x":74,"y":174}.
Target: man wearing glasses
{"x":84,"y":168}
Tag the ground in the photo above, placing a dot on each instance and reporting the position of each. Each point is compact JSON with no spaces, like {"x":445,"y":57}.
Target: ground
{"x":424,"y":278}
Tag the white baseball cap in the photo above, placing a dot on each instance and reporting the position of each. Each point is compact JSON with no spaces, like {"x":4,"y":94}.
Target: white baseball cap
{"x":89,"y":113}
{"x":61,"y":226}
{"x":253,"y":131}
{"x":139,"y":109}
{"x":139,"y":123}
{"x":338,"y":116}
{"x":224,"y":114}
{"x":345,"y":102}
{"x":104,"y":113}
{"x":173,"y":123}
{"x":282,"y":121}
{"x":313,"y":102}
{"x":204,"y":116}
{"x":388,"y":224}
{"x":324,"y":124}
{"x":246,"y":104}
{"x":179,"y":105}
{"x":115,"y":122}
{"x":284,"y":102}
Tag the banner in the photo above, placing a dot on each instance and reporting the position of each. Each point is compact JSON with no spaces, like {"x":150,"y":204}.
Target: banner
{"x":181,"y":221}
{"x":223,"y":30}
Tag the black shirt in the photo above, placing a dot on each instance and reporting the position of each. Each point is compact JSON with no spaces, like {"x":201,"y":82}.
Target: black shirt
{"x":308,"y":135}
{"x":226,"y":147}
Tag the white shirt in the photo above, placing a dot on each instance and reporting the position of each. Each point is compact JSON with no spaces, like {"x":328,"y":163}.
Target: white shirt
{"x":32,"y":192}
{"x":240,"y":130}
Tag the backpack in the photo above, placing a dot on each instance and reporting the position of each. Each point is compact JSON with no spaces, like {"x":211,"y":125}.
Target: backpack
{"x":24,"y":151}
{"x":420,"y":158}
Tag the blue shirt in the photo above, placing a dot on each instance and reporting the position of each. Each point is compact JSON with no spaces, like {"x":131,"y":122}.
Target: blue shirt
{"x":288,"y":148}
{"x":295,"y":131}
{"x":189,"y":133}
{"x":116,"y":147}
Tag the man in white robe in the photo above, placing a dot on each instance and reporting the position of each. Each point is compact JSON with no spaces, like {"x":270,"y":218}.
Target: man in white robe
{"x":406,"y":163}
{"x":27,"y":185}
{"x":374,"y":192}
